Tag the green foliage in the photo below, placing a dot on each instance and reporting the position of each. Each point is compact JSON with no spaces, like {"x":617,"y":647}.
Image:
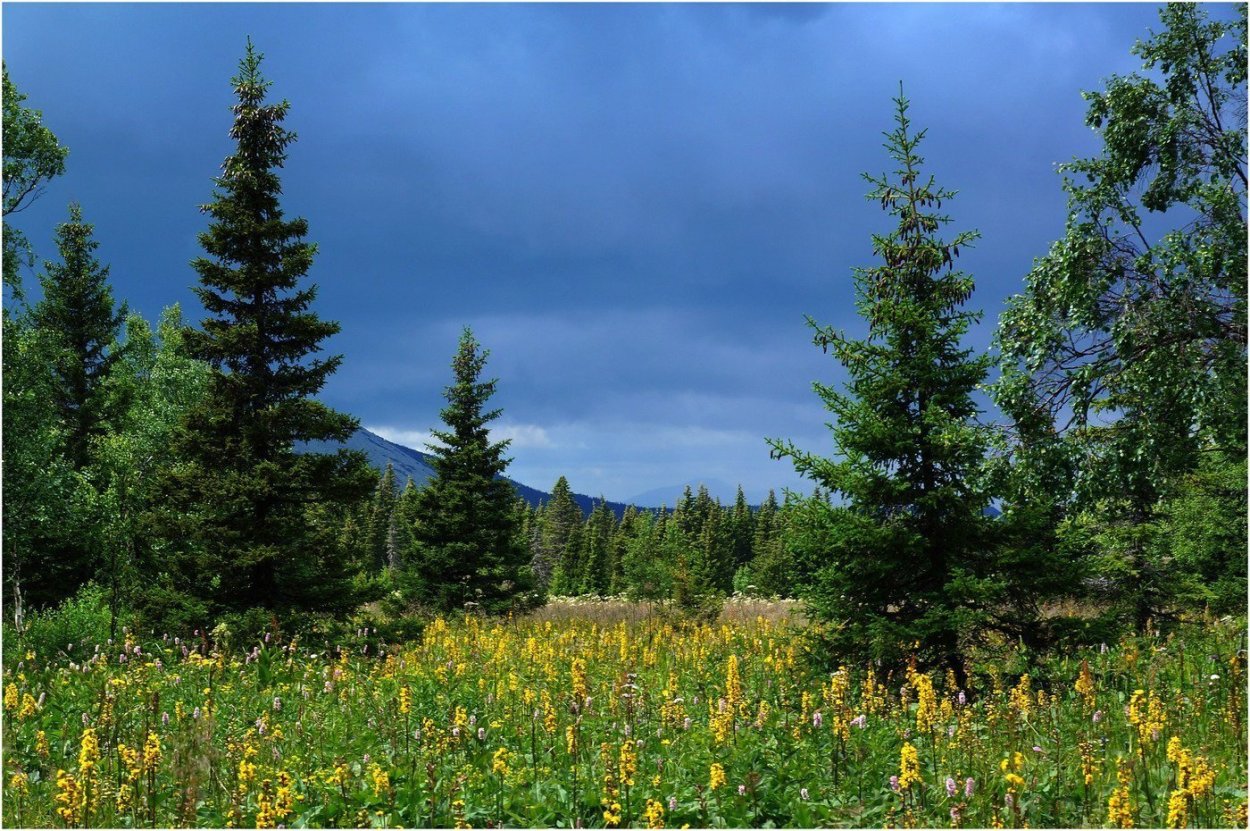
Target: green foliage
{"x":79,"y":320}
{"x":46,"y":501}
{"x":70,"y":629}
{"x":466,"y":546}
{"x":32,"y":156}
{"x":249,"y":510}
{"x":1204,"y":529}
{"x":1125,"y":357}
{"x":904,"y":559}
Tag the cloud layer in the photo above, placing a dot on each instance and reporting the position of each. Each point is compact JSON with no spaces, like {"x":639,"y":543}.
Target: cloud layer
{"x":634,"y":206}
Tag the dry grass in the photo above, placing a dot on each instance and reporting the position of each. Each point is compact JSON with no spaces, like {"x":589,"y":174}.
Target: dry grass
{"x":610,"y":611}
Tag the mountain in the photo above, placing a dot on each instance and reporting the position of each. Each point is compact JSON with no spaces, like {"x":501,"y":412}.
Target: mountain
{"x":415,"y":465}
{"x":671,"y":495}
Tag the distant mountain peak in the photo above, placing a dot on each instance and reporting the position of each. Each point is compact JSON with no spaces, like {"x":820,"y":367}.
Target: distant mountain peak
{"x":415,"y":465}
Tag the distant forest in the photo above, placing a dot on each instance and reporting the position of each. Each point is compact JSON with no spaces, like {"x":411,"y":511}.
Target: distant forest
{"x":153,"y":475}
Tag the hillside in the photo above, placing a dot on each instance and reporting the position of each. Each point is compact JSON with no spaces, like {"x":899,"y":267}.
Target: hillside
{"x":415,"y":465}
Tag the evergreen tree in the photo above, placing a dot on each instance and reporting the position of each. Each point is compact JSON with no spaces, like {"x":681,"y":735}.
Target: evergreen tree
{"x":626,"y":530}
{"x":381,"y":518}
{"x":466,"y":544}
{"x":599,"y":527}
{"x":765,"y":532}
{"x":907,"y":551}
{"x":561,"y":516}
{"x":741,"y":530}
{"x":242,"y":494}
{"x":78,"y":317}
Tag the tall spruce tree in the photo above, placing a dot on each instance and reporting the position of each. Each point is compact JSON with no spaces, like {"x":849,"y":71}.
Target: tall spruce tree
{"x":79,"y":319}
{"x":467,"y":549}
{"x":242,"y":492}
{"x":908,"y":546}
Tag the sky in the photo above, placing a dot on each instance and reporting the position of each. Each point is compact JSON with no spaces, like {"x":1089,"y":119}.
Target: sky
{"x":633,"y":206}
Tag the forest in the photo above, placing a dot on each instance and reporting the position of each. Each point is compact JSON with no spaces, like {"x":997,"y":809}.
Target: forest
{"x":159,"y":505}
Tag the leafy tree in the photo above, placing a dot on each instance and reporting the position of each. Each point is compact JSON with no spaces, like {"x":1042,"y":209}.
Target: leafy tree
{"x":79,"y":319}
{"x":908,"y":548}
{"x":32,"y":156}
{"x":45,"y":499}
{"x":1129,"y":341}
{"x":466,"y":544}
{"x":159,"y":383}
{"x":240,"y":494}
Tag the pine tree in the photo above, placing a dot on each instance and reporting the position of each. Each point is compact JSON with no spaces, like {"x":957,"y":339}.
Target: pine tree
{"x":467,"y":549}
{"x":78,"y":316}
{"x":909,"y":544}
{"x":242,"y":494}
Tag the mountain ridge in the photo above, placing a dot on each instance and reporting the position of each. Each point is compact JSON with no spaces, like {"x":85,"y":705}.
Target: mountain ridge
{"x":415,"y":465}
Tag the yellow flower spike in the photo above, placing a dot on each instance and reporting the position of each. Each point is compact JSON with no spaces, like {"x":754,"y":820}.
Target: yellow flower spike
{"x":716,"y":777}
{"x":654,"y":814}
{"x":380,"y":778}
{"x":908,"y":766}
{"x":499,"y":765}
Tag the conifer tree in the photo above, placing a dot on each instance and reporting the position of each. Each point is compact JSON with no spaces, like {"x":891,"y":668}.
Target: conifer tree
{"x":242,"y":493}
{"x":381,"y":517}
{"x":79,"y":318}
{"x":741,"y":529}
{"x":561,"y":516}
{"x":599,"y":526}
{"x":908,"y":548}
{"x":467,"y":549}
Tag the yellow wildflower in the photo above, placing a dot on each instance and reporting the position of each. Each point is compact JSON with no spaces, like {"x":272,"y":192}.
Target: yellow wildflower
{"x":405,"y":700}
{"x":716,"y":778}
{"x":500,"y":763}
{"x":1119,"y":808}
{"x":380,"y":778}
{"x":908,"y":766}
{"x":628,"y":762}
{"x":1022,"y":696}
{"x":151,"y":752}
{"x":654,"y":814}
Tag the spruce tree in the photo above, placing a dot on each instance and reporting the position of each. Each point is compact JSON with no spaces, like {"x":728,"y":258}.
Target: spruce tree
{"x":243,"y":493}
{"x":467,"y":549}
{"x":907,"y":552}
{"x":599,"y":527}
{"x":381,"y":516}
{"x":78,"y":317}
{"x":560,"y":516}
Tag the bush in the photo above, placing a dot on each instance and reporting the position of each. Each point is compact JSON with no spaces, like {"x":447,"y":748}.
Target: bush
{"x":82,"y":621}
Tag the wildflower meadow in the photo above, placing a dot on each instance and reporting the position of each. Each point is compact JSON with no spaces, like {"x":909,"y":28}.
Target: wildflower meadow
{"x":585,"y":723}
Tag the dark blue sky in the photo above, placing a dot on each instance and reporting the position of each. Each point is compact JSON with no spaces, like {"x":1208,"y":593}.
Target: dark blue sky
{"x":634,"y":206}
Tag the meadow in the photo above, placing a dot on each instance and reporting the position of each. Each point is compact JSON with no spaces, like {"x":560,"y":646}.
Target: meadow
{"x":597,"y":718}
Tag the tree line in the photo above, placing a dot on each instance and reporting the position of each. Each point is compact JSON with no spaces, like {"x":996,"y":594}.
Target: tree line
{"x":162,"y":465}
